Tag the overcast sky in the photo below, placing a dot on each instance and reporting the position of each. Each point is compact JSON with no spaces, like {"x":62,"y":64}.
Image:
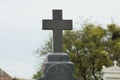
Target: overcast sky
{"x":21,"y":30}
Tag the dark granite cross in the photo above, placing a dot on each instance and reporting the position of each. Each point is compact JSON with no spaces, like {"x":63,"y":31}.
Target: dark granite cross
{"x":57,"y":25}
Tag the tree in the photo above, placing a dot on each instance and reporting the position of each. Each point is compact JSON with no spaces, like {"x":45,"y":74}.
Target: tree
{"x":87,"y":51}
{"x":90,"y":48}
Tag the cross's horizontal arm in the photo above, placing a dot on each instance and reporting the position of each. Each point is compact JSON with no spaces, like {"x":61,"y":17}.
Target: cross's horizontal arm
{"x":57,"y":24}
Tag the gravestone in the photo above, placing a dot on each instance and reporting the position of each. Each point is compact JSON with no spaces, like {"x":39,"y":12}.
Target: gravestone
{"x":111,"y":73}
{"x":57,"y":66}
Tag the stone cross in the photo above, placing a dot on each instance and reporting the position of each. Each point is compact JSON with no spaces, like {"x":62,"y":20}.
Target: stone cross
{"x":57,"y":25}
{"x":115,"y":63}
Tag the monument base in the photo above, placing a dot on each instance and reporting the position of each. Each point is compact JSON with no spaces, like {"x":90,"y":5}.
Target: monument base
{"x":58,"y":67}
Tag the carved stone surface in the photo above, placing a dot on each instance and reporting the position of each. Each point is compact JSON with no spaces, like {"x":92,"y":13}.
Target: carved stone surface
{"x":49,"y":64}
{"x":112,"y":69}
{"x":58,"y":57}
{"x":111,"y":73}
{"x":59,"y":72}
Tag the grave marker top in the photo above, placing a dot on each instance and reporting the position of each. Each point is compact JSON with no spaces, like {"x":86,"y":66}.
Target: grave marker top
{"x":57,"y":25}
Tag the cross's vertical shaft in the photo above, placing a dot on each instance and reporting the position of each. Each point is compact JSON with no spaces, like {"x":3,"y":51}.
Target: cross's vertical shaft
{"x":57,"y":34}
{"x":57,"y":14}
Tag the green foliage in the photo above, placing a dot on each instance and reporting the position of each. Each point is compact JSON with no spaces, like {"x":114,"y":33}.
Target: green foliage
{"x":37,"y":75}
{"x":114,"y":42}
{"x":90,"y":48}
{"x":87,"y":51}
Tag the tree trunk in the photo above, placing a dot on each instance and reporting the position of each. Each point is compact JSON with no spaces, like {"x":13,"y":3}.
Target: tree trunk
{"x":84,"y":77}
{"x":93,"y":71}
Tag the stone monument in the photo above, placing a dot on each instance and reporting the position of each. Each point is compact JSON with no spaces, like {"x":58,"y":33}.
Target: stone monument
{"x":111,"y":73}
{"x":57,"y":66}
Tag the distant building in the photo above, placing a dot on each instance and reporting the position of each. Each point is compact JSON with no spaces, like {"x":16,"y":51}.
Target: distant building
{"x":4,"y":75}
